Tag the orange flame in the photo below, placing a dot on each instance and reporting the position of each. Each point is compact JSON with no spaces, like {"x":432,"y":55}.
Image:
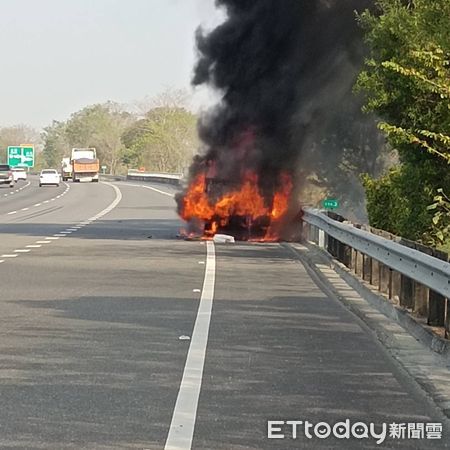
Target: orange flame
{"x":245,"y":202}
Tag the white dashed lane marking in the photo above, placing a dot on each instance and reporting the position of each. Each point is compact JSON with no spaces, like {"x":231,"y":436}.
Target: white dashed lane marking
{"x":41,"y":203}
{"x":70,"y":229}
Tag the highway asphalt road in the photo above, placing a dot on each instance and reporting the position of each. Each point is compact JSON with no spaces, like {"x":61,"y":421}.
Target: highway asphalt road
{"x":100,"y":306}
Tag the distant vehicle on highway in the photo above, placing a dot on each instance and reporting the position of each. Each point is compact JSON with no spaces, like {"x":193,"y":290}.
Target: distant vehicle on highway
{"x":49,"y":177}
{"x":85,"y":165}
{"x":6,"y":175}
{"x":19,"y":173}
{"x":66,"y":169}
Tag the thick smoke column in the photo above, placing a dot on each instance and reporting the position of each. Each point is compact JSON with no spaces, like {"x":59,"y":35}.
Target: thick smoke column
{"x":283,"y":67}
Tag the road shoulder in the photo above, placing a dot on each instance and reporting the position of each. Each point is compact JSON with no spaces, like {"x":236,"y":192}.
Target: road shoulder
{"x":429,"y":369}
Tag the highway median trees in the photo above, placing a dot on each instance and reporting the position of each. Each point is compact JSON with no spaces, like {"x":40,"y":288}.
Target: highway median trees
{"x":56,"y":144}
{"x":100,"y":126}
{"x":164,"y":141}
{"x":406,"y":82}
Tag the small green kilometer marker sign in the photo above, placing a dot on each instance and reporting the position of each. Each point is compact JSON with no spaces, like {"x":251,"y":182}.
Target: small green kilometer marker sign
{"x":330,"y":203}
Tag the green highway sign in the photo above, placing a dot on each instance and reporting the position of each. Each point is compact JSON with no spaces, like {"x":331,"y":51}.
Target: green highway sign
{"x":21,"y":156}
{"x":330,"y":203}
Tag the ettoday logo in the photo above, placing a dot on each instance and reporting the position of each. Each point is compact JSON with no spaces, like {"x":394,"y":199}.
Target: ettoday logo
{"x":346,"y":429}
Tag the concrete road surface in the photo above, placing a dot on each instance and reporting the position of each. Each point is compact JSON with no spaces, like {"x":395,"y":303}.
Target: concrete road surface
{"x":100,"y":304}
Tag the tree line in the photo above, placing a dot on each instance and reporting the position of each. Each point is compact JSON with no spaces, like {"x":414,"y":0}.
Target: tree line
{"x":406,"y":83}
{"x":161,"y":136}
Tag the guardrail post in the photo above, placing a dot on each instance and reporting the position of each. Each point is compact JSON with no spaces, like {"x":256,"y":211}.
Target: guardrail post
{"x":384,"y":273}
{"x":447,"y":319}
{"x":375,"y":276}
{"x":421,"y":291}
{"x":321,"y":238}
{"x":366,"y":262}
{"x":406,"y":292}
{"x":354,"y":259}
{"x":348,"y":256}
{"x":394,"y":286}
{"x":375,"y":273}
{"x":406,"y":283}
{"x":309,"y":231}
{"x":384,"y":278}
{"x":359,"y":264}
{"x":367,"y":268}
{"x":437,"y":302}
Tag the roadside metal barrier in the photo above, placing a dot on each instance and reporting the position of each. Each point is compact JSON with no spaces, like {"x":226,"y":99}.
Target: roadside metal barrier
{"x":108,"y":177}
{"x":168,"y":178}
{"x":412,"y":275}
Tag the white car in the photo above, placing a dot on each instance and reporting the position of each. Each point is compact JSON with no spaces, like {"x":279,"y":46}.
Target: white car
{"x":49,"y":176}
{"x":19,"y":173}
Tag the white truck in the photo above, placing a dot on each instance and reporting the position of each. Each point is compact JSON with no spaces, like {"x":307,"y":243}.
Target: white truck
{"x":85,"y":165}
{"x":66,"y":169}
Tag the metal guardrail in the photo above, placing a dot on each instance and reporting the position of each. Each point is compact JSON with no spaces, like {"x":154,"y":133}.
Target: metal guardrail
{"x":169,"y":178}
{"x":415,"y":279}
{"x":105,"y":176}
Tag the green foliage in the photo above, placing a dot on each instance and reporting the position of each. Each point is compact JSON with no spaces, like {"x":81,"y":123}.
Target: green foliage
{"x":384,"y":201}
{"x":56,"y":145}
{"x":439,"y":235}
{"x":397,"y":202}
{"x":100,"y":126}
{"x":164,"y":141}
{"x":406,"y":82}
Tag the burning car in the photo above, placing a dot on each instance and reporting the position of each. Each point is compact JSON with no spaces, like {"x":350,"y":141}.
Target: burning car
{"x":237,"y":206}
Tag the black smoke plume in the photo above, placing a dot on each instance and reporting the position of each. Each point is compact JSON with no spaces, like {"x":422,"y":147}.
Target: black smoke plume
{"x":282,"y":67}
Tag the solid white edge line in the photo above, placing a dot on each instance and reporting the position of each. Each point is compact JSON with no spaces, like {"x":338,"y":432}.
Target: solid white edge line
{"x":182,"y":426}
{"x":159,"y":191}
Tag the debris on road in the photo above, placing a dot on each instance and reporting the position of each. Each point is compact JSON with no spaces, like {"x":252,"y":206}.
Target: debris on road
{"x":184,"y":338}
{"x":223,"y":239}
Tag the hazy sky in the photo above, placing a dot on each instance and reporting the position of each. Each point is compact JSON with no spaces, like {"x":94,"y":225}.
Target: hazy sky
{"x":61,"y":55}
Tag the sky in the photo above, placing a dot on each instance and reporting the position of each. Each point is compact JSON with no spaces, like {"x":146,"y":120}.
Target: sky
{"x":59,"y":56}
